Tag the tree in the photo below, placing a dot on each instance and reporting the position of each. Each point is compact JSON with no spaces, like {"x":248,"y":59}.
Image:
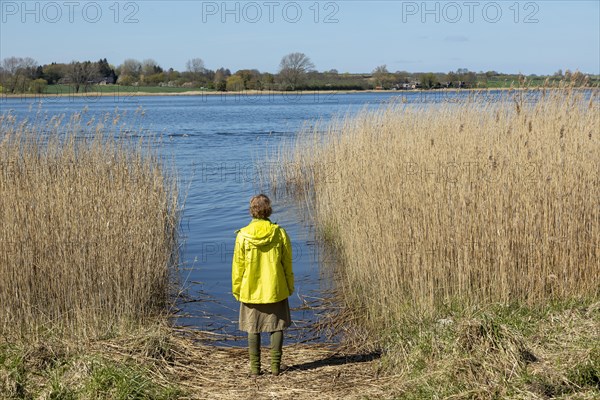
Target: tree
{"x":429,"y":80}
{"x":151,"y":73}
{"x":452,"y":77}
{"x":401,"y":76}
{"x":17,"y":72}
{"x":150,"y":67}
{"x":220,"y":79}
{"x":154,"y":79}
{"x":172,"y":75}
{"x":54,"y":72}
{"x":250,"y":77}
{"x":38,"y":86}
{"x":196,"y":69}
{"x":107,"y":71}
{"x":104,"y":68}
{"x":470,"y":79}
{"x":464,"y":77}
{"x":235,"y":83}
{"x":267,"y":81}
{"x":382,"y":76}
{"x":11,"y":65}
{"x":129,"y":71}
{"x":39,"y":73}
{"x":9,"y":70}
{"x":82,"y":73}
{"x":292,"y":69}
{"x":195,"y":66}
{"x":126,"y":80}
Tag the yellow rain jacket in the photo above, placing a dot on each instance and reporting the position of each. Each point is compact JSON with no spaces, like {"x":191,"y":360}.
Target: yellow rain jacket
{"x":262,"y":264}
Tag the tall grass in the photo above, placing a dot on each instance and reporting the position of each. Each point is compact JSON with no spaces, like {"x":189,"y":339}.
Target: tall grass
{"x":459,"y":204}
{"x":88,"y":227}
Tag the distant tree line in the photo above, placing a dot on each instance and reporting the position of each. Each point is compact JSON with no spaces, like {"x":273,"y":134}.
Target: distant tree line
{"x":296,"y":72}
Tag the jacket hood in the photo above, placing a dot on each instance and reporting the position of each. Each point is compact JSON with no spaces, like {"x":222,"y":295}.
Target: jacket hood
{"x":259,"y":232}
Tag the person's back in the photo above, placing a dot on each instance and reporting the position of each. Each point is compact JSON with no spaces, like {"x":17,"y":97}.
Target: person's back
{"x":263,"y":268}
{"x":262,"y":280}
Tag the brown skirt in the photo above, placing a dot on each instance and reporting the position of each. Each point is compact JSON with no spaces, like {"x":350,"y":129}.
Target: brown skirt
{"x":255,"y":318}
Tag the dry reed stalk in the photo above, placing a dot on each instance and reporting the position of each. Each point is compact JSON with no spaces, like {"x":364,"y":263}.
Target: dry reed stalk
{"x":469,"y":203}
{"x":88,"y":227}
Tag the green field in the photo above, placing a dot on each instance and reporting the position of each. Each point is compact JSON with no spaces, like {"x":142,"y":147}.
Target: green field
{"x":69,"y":89}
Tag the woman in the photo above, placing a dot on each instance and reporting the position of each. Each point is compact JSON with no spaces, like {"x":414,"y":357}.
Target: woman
{"x":262,"y":280}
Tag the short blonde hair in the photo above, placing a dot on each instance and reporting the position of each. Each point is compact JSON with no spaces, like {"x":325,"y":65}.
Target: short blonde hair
{"x":260,"y":206}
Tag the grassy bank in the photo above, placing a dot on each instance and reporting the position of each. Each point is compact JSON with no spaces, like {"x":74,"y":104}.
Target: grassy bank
{"x":504,"y":352}
{"x":133,"y":365}
{"x":457,"y":230}
{"x":498,"y":352}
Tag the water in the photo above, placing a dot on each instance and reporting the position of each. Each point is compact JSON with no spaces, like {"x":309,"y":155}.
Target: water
{"x":217,"y":143}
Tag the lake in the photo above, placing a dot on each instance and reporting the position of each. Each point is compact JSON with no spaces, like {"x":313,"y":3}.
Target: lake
{"x":217,"y":143}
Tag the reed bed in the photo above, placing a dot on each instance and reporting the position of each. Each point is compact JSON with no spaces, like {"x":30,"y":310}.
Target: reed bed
{"x":88,"y":226}
{"x":467,"y":204}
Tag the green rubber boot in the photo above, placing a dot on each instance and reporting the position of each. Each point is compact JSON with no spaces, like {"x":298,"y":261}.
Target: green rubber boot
{"x":276,"y":352}
{"x":254,"y":352}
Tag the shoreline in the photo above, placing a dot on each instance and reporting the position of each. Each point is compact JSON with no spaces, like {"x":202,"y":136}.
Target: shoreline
{"x":261,"y":93}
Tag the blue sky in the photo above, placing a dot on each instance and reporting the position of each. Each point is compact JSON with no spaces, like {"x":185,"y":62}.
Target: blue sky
{"x":351,"y":36}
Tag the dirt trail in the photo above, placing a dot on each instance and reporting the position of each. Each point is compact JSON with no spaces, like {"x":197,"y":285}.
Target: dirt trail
{"x":311,"y":372}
